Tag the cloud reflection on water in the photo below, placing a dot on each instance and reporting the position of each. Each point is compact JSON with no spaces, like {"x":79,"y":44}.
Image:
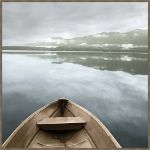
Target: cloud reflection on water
{"x":119,"y":99}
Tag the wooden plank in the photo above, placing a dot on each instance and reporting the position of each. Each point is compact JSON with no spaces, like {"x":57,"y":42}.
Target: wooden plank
{"x":95,"y":135}
{"x":61,"y":123}
{"x":99,"y":134}
{"x":68,"y":139}
{"x":24,"y":133}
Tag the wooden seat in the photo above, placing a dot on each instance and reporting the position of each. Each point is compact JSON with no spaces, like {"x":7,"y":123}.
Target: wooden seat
{"x":61,"y":123}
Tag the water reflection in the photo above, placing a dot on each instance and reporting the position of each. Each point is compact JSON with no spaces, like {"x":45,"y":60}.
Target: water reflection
{"x":128,"y":62}
{"x":119,"y":99}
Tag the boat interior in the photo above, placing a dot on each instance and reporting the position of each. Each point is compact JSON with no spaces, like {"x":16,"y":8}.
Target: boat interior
{"x":62,"y":129}
{"x":61,"y":124}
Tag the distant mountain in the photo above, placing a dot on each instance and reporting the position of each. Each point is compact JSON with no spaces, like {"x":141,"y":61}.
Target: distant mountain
{"x":100,"y":41}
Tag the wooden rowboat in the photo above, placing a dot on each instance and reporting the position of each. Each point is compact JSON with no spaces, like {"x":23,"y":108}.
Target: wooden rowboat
{"x":61,"y":124}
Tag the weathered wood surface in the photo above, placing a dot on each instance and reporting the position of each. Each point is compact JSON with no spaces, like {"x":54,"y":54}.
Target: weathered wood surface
{"x":73,"y":139}
{"x":93,"y":135}
{"x":95,"y":128}
{"x":61,"y":123}
{"x":25,"y":132}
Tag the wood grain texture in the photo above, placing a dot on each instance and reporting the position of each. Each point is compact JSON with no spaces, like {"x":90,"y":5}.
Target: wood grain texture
{"x":96,"y":129}
{"x":93,"y":135}
{"x":23,"y":135}
{"x":73,"y":139}
{"x":61,"y":123}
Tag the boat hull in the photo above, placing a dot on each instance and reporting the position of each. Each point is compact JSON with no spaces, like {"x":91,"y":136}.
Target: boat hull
{"x":93,"y":135}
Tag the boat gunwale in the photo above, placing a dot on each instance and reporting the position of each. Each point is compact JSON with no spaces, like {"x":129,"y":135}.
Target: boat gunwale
{"x":26,"y":121}
{"x":99,"y":122}
{"x":73,"y":104}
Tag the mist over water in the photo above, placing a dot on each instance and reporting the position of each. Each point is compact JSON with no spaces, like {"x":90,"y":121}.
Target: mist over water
{"x":119,"y":99}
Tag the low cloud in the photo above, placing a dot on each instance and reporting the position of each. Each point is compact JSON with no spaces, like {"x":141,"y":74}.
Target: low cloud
{"x":29,"y":22}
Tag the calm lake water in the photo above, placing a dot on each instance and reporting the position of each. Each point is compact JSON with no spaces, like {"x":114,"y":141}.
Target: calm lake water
{"x":114,"y":87}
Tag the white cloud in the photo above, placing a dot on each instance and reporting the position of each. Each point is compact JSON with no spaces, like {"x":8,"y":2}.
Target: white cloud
{"x":83,"y":44}
{"x":127,"y":46}
{"x":126,"y":58}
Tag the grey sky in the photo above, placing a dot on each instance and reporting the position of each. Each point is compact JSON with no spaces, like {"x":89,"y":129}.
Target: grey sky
{"x":29,"y":22}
